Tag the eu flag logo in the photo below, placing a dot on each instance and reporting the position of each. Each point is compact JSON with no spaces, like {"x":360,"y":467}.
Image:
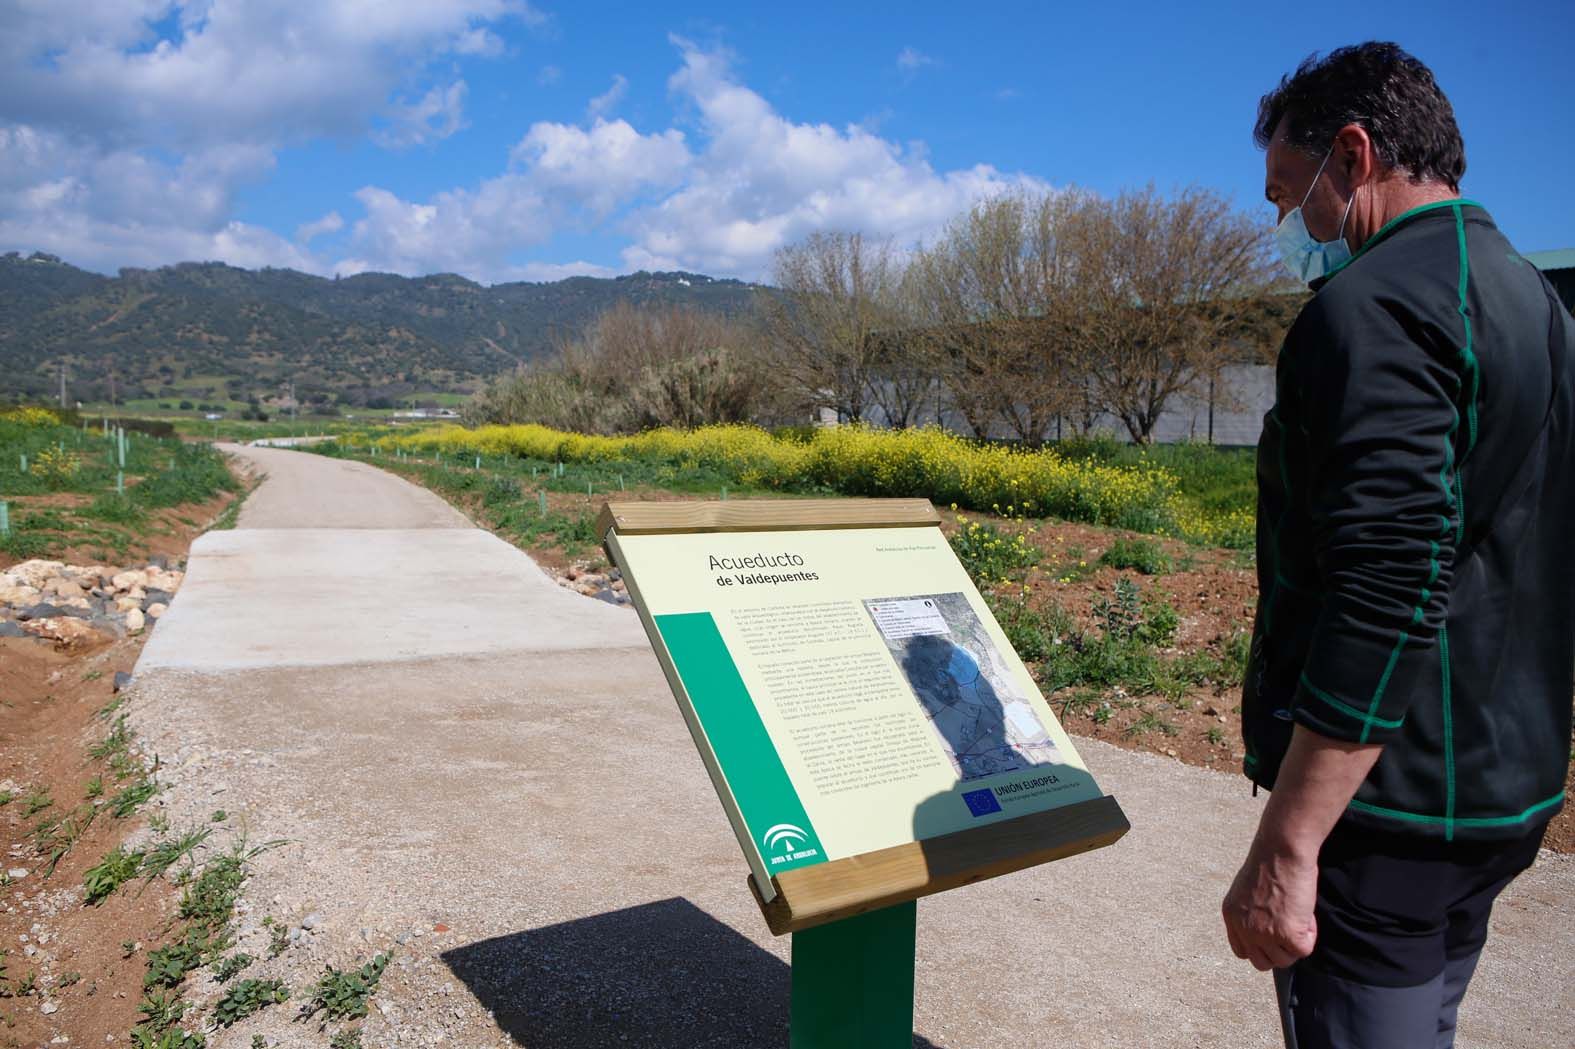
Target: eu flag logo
{"x":982,"y":802}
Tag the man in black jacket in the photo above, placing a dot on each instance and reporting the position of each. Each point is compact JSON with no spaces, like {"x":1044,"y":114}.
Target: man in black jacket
{"x":1408,"y":695}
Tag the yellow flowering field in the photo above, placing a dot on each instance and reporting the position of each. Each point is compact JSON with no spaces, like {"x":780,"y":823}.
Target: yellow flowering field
{"x":850,"y":460}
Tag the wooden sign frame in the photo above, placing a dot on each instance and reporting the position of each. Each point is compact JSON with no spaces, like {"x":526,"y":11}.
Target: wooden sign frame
{"x":810,"y":896}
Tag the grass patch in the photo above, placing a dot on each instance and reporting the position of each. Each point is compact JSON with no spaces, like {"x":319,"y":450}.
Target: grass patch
{"x":110,"y":873}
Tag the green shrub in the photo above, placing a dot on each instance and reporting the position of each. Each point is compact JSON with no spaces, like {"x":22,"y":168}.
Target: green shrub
{"x":1141,"y":555}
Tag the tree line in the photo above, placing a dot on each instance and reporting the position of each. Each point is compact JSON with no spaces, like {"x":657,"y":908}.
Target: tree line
{"x":1030,"y":313}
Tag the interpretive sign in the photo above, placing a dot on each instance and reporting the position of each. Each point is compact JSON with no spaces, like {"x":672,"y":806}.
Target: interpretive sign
{"x":871,"y":733}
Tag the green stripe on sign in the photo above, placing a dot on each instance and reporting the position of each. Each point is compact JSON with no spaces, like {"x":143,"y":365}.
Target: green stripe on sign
{"x":770,"y":806}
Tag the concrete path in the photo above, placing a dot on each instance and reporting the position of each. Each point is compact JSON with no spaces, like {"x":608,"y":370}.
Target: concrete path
{"x":489,"y":770}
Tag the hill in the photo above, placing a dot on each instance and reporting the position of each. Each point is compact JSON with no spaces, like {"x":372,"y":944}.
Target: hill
{"x":210,"y":331}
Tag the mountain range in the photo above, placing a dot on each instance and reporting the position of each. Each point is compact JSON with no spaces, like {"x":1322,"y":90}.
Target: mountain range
{"x":210,"y":331}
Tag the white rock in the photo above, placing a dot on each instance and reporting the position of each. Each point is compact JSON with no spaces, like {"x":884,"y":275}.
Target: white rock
{"x":126,"y":604}
{"x":157,"y":608}
{"x":128,"y":580}
{"x":63,"y":630}
{"x":64,"y":587}
{"x":49,"y":1007}
{"x":16,"y":872}
{"x":33,"y":573}
{"x":18,"y":594}
{"x":135,"y":620}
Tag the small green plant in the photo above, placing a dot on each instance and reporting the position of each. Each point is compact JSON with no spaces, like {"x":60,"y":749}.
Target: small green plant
{"x":160,"y":1010}
{"x":259,"y":1042}
{"x":232,"y":967}
{"x":1120,"y":618}
{"x":167,"y":852}
{"x":6,"y":797}
{"x":36,"y":801}
{"x":174,"y":1038}
{"x":346,"y":1038}
{"x":28,"y":984}
{"x":1233,"y":659}
{"x":1141,"y":555}
{"x":345,"y":995}
{"x":127,"y":800}
{"x":248,"y":997}
{"x":990,"y":555}
{"x":55,"y":838}
{"x":114,"y":870}
{"x":1161,"y":621}
{"x":94,"y":788}
{"x":219,"y":816}
{"x":117,"y":742}
{"x":69,"y":979}
{"x":1147,"y":722}
{"x":92,"y":675}
{"x":128,"y":948}
{"x":1216,"y":735}
{"x":278,"y":936}
{"x":168,"y":965}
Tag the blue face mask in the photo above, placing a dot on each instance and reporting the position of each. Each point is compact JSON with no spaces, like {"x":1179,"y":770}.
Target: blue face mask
{"x":1306,"y":258}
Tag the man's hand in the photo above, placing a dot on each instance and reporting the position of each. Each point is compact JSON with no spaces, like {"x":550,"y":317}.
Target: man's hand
{"x":1269,"y":909}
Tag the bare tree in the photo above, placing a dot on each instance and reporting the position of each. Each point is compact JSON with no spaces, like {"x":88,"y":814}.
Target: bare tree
{"x":1165,"y":286}
{"x":999,"y":288}
{"x":838,"y":292}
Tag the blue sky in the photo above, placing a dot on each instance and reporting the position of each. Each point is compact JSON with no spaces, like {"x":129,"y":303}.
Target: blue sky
{"x":505,"y":140}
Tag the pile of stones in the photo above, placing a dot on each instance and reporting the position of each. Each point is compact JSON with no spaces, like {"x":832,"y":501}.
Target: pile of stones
{"x":76,"y":604}
{"x":605,"y":586}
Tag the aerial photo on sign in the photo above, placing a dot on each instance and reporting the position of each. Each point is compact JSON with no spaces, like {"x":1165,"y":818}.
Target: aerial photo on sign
{"x":983,"y":721}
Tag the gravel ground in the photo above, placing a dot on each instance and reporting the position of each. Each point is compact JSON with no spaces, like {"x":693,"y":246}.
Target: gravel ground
{"x":528,"y":828}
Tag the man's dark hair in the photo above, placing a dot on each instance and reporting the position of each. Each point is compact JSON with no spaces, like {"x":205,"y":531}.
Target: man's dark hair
{"x":1384,"y":90}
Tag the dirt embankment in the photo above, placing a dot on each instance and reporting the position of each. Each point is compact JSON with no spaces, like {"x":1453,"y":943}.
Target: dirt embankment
{"x":69,"y":968}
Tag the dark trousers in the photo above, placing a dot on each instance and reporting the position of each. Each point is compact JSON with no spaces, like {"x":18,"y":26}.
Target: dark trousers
{"x":1401,"y":923}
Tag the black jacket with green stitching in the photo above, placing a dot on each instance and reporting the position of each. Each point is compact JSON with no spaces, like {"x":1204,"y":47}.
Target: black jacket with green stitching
{"x":1416,"y":506}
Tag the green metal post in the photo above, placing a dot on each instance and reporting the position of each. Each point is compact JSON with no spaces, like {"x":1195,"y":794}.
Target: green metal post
{"x":853,"y":982}
{"x":5,"y":517}
{"x":541,"y":500}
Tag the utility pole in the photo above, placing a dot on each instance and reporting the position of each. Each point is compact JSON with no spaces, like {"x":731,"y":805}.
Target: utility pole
{"x":62,"y":382}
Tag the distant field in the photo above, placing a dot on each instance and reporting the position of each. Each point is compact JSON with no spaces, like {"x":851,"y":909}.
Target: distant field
{"x":68,"y":496}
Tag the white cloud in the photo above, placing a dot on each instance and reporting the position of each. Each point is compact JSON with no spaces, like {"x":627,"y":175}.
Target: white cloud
{"x":332,"y":222}
{"x":911,"y":60}
{"x":750,"y":182}
{"x":549,"y":76}
{"x":600,"y":166}
{"x":608,"y":100}
{"x":551,"y":271}
{"x":762,"y":181}
{"x":120,"y":147}
{"x":116,"y":148}
{"x":438,"y":114}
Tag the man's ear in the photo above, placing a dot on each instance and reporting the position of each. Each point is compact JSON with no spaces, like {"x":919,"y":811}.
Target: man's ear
{"x":1355,"y":157}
